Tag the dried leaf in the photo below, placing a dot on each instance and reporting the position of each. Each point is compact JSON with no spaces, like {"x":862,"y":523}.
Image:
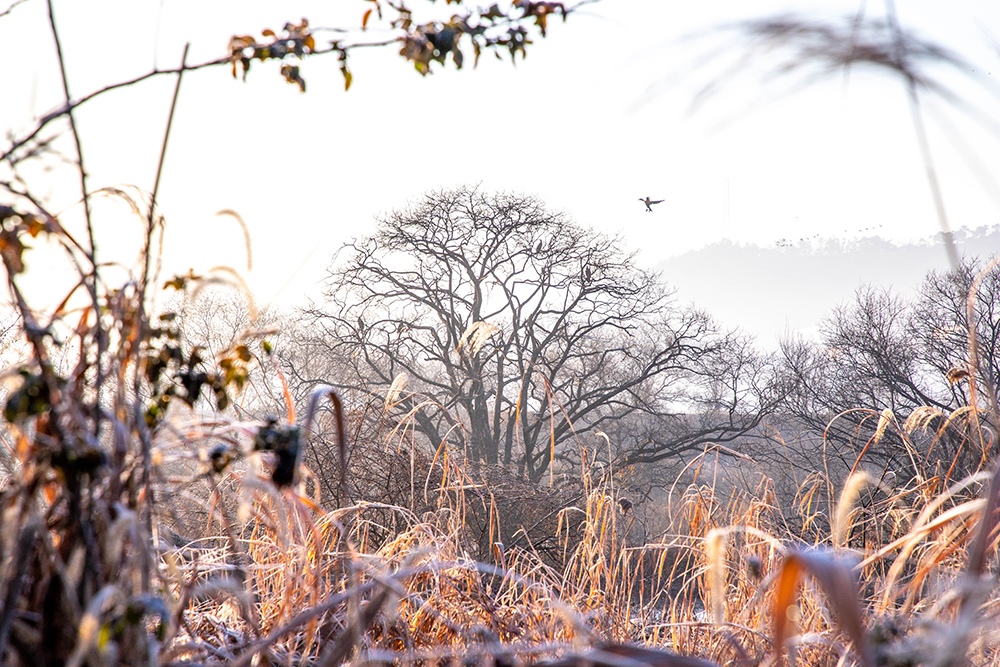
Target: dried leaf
{"x":476,"y":336}
{"x":398,"y":384}
{"x":836,"y":580}
{"x":715,"y":561}
{"x":956,"y":375}
{"x":11,"y":249}
{"x":884,"y":420}
{"x":292,"y":75}
{"x":841,"y":517}
{"x":784,"y":598}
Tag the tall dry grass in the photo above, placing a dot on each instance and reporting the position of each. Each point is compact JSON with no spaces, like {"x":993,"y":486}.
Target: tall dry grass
{"x":888,"y":579}
{"x":140,"y":527}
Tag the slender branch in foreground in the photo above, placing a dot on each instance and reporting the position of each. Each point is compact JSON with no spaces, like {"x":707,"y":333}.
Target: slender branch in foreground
{"x":163,"y":148}
{"x":333,"y":602}
{"x":90,"y":280}
{"x":11,"y":8}
{"x":925,"y":148}
{"x":76,"y":135}
{"x":147,"y":462}
{"x":70,"y":105}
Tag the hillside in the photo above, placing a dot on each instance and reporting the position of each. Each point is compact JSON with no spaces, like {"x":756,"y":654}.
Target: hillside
{"x":768,"y":291}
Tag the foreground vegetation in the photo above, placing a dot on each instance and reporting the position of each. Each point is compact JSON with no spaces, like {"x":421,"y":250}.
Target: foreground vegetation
{"x":141,"y":527}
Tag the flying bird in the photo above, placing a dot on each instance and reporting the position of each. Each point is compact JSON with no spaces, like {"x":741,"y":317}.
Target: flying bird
{"x":649,"y":203}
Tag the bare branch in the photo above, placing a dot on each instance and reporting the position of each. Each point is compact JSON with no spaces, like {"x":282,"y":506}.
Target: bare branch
{"x":11,"y":8}
{"x":579,"y":336}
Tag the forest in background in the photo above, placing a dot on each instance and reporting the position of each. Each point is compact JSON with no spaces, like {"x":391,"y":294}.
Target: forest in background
{"x":799,"y":284}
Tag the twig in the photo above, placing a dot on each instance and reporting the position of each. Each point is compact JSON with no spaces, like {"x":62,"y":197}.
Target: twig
{"x":163,"y":151}
{"x":90,"y":279}
{"x":62,"y":236}
{"x":392,"y":581}
{"x":69,"y":106}
{"x":925,"y":148}
{"x":335,"y":652}
{"x":11,"y":8}
{"x":76,"y":135}
{"x":341,"y":430}
{"x":147,"y":464}
{"x":21,"y":558}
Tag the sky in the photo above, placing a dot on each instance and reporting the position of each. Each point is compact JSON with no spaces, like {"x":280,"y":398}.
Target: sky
{"x":600,"y":114}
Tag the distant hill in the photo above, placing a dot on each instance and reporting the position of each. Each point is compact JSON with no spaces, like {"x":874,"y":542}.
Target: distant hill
{"x":767,"y":291}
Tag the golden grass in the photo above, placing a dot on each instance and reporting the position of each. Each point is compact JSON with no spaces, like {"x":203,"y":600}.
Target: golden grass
{"x":882,"y":581}
{"x":873,"y":574}
{"x":160,"y":537}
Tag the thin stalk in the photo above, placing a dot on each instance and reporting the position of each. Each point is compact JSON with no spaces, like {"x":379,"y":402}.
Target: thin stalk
{"x":139,"y":417}
{"x":90,"y":279}
{"x":925,"y":148}
{"x":76,"y":134}
{"x":163,"y":153}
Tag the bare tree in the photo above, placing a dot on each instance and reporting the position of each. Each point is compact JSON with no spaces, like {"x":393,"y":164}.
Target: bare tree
{"x":519,"y":330}
{"x":883,"y":352}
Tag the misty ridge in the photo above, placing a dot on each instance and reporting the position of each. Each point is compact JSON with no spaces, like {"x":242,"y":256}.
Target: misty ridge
{"x":771,"y":291}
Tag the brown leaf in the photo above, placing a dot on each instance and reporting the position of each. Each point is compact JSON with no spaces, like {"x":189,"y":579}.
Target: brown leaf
{"x":836,"y":580}
{"x":292,"y":75}
{"x":784,"y":597}
{"x":35,"y":226}
{"x":957,"y":375}
{"x":11,"y":248}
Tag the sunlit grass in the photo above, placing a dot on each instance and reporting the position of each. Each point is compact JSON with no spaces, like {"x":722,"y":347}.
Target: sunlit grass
{"x":884,"y":580}
{"x":181,"y":536}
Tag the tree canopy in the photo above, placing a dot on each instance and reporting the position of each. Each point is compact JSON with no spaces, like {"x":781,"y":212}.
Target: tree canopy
{"x":518,"y":331}
{"x":909,"y":358}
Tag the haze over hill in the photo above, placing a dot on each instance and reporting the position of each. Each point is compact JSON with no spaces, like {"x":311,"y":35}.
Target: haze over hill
{"x":768,"y":291}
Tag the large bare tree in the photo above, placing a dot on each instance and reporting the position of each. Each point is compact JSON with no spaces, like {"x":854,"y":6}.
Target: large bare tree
{"x":519,"y":331}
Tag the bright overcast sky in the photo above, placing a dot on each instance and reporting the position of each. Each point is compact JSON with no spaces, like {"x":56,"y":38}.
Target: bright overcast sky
{"x":597,"y":116}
